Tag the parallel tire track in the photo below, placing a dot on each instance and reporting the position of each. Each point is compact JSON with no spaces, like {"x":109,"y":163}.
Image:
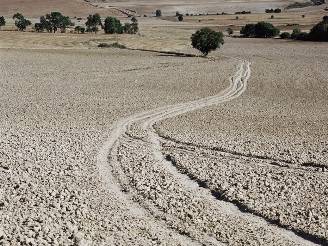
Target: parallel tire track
{"x":120,"y":171}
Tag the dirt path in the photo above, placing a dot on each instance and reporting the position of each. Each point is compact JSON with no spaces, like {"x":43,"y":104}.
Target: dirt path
{"x":138,"y":174}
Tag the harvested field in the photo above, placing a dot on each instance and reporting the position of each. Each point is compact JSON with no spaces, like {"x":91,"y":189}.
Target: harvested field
{"x":267,"y":151}
{"x":108,"y":146}
{"x":169,"y":7}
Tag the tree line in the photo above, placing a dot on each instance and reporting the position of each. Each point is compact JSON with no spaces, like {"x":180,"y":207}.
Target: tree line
{"x":319,"y":32}
{"x":56,"y":21}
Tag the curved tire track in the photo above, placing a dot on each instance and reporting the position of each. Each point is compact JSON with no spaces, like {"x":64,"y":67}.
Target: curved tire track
{"x":124,"y":143}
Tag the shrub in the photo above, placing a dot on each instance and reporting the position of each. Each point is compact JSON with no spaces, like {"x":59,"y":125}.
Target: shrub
{"x":285,"y":35}
{"x":180,"y":18}
{"x":20,"y":22}
{"x":131,"y":28}
{"x":113,"y":45}
{"x":79,"y":29}
{"x":320,"y":31}
{"x":158,"y":13}
{"x":295,"y":33}
{"x":304,"y":36}
{"x":206,"y":40}
{"x":229,"y":31}
{"x":273,"y":11}
{"x":260,"y":30}
{"x":113,"y":25}
{"x":2,"y":21}
{"x":243,"y":12}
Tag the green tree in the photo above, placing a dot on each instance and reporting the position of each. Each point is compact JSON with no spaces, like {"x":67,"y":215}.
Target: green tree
{"x":20,"y":22}
{"x":158,"y":13}
{"x":320,"y":31}
{"x":248,"y":30}
{"x":92,"y":23}
{"x":38,"y":27}
{"x":113,"y":25}
{"x":45,"y":24}
{"x":2,"y":21}
{"x":265,"y":30}
{"x":206,"y":40}
{"x":58,"y":21}
{"x":260,"y":30}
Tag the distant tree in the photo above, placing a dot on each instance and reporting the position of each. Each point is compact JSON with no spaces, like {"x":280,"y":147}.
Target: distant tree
{"x":248,"y":30}
{"x":177,"y":13}
{"x":2,"y":21}
{"x":158,"y":13}
{"x":58,"y":21}
{"x":206,"y":40}
{"x":20,"y":22}
{"x":237,"y":17}
{"x":260,"y":30}
{"x":127,"y":28}
{"x":272,"y":17}
{"x":135,"y":25}
{"x":92,"y":23}
{"x":46,"y":25}
{"x":285,"y":35}
{"x":229,"y":31}
{"x":265,"y":30}
{"x":38,"y":27}
{"x":113,"y":25}
{"x":43,"y":25}
{"x":180,"y":18}
{"x":320,"y":31}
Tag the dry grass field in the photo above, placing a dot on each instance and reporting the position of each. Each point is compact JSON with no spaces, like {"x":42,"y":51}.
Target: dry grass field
{"x":169,"y":7}
{"x":107,"y":146}
{"x":35,"y":8}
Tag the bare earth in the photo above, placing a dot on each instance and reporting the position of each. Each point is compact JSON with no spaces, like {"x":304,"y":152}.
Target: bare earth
{"x":125,"y":147}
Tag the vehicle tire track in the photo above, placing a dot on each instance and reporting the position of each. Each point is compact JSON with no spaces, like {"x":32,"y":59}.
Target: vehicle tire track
{"x":136,"y":164}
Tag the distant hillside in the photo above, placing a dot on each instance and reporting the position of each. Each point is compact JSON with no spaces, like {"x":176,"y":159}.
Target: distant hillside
{"x":35,"y":8}
{"x":169,"y":7}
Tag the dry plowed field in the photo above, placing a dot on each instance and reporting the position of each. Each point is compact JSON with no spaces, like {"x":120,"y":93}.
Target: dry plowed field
{"x":122,"y":147}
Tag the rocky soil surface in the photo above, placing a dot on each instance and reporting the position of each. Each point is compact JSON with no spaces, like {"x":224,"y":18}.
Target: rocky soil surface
{"x":90,"y":156}
{"x":267,"y":150}
{"x":57,"y":107}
